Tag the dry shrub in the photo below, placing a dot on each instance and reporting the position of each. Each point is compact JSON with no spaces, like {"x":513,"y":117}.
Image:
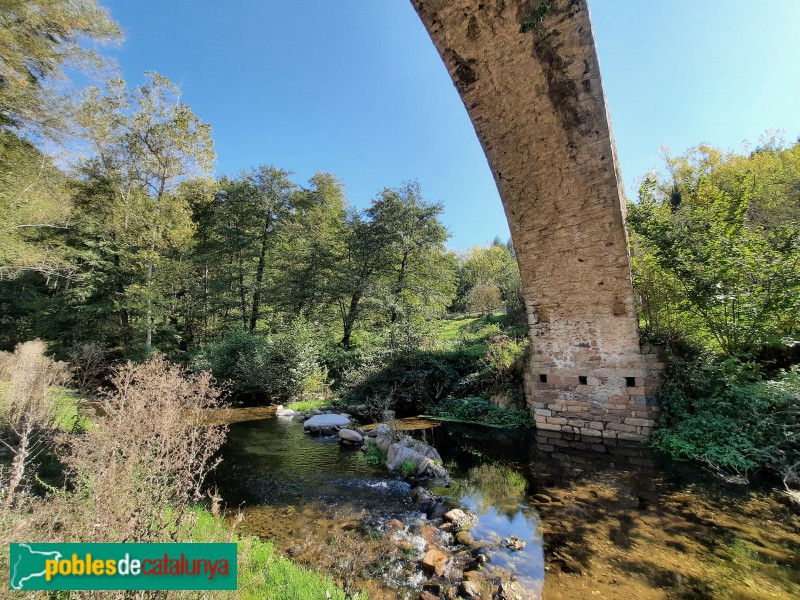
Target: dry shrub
{"x":28,"y":409}
{"x":143,"y":465}
{"x":5,"y":363}
{"x":88,"y":365}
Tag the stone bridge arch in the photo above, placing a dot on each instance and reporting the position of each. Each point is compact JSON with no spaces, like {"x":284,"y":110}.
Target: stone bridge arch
{"x":536,"y":101}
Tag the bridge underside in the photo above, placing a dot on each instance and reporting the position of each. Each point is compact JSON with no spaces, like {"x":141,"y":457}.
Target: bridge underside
{"x":537,"y":104}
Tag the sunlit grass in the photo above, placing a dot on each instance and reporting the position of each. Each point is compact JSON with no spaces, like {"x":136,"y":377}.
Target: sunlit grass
{"x":67,"y":406}
{"x":307,"y":405}
{"x":262,"y":573}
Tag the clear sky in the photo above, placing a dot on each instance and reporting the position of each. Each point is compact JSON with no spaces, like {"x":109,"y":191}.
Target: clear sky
{"x":355,"y":87}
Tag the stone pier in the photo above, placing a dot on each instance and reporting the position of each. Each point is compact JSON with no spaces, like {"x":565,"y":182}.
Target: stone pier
{"x":536,"y":100}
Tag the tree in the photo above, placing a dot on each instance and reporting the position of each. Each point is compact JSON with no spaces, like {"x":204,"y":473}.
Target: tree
{"x":358,"y":269}
{"x":484,"y":297}
{"x":418,"y":271}
{"x":39,"y":38}
{"x":144,"y":144}
{"x":308,"y":247}
{"x":705,"y":253}
{"x":34,"y":201}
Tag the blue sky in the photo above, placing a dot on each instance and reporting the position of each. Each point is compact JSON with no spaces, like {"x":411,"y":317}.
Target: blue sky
{"x":355,"y":87}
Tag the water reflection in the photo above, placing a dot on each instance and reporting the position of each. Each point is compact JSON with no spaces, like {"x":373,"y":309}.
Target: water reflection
{"x":609,"y":520}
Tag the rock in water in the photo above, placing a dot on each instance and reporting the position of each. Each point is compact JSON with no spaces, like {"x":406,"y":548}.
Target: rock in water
{"x":460,"y":519}
{"x":351,"y":437}
{"x":407,"y":449}
{"x":514,"y":543}
{"x":434,"y":561}
{"x":512,"y":590}
{"x":326,"y":424}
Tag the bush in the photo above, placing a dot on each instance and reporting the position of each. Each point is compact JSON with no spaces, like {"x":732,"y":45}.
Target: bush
{"x":725,"y":416}
{"x":285,"y":364}
{"x":479,"y":409}
{"x":139,"y":470}
{"x":410,"y":380}
{"x":29,"y":410}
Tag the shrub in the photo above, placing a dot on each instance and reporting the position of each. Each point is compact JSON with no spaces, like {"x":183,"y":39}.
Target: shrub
{"x":282,"y":365}
{"x":29,"y":409}
{"x":724,"y":416}
{"x":479,"y":409}
{"x":504,"y":359}
{"x":137,"y":473}
{"x":88,"y":366}
{"x":410,"y":380}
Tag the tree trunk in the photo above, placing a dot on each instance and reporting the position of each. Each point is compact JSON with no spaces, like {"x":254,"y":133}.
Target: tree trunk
{"x":349,"y":320}
{"x":259,"y":276}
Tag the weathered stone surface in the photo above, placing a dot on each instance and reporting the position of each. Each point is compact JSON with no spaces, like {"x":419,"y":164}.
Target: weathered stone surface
{"x":350,"y":436}
{"x":399,"y":453}
{"x":326,"y":424}
{"x":434,"y":561}
{"x":537,"y":103}
{"x":513,"y":590}
{"x":460,"y":519}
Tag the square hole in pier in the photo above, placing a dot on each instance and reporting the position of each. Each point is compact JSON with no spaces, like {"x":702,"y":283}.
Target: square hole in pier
{"x":630,"y":381}
{"x":583,"y":379}
{"x":542,"y":378}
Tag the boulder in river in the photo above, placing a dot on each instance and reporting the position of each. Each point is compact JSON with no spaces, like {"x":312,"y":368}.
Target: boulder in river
{"x":383,"y":437}
{"x":461,"y":520}
{"x":399,"y":454}
{"x":434,"y":561}
{"x":407,"y":449}
{"x":348,"y":436}
{"x":326,"y":424}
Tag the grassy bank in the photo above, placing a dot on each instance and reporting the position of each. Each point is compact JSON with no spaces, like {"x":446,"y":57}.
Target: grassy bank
{"x":262,"y":573}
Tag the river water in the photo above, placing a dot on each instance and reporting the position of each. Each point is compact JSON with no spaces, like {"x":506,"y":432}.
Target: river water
{"x":599,"y":521}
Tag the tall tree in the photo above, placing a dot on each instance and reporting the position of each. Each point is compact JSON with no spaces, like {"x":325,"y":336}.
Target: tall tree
{"x":38,"y":38}
{"x":145,"y":142}
{"x":716,"y":258}
{"x":417,"y":268}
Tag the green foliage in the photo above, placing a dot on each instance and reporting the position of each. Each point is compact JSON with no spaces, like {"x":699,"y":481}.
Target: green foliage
{"x":725,"y":416}
{"x":372,"y":455}
{"x":284,"y":364}
{"x":40,"y":40}
{"x":504,"y":358}
{"x":408,"y":468}
{"x":304,"y":406}
{"x":533,"y":20}
{"x":34,"y":204}
{"x":713,"y":259}
{"x":479,"y":409}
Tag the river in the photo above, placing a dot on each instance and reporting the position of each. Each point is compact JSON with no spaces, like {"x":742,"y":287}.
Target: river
{"x":600,"y":521}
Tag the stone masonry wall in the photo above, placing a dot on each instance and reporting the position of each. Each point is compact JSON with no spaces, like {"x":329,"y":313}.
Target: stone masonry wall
{"x":537,"y":103}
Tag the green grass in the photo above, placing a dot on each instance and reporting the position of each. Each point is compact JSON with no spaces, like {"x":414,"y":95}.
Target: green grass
{"x":68,"y":414}
{"x":67,"y":403}
{"x":262,"y":573}
{"x":451,"y":330}
{"x":408,"y":468}
{"x":307,"y":405}
{"x":372,"y":455}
